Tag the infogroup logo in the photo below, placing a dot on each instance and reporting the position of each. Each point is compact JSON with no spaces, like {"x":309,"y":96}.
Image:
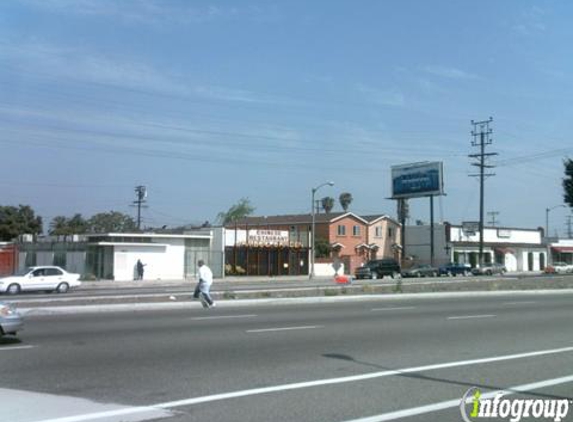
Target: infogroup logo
{"x":494,"y":405}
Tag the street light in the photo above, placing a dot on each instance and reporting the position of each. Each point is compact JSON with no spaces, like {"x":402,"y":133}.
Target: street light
{"x":311,"y":274}
{"x":547,"y":217}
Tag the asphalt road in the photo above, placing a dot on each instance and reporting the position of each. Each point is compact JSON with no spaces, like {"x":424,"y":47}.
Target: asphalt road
{"x":323,"y":362}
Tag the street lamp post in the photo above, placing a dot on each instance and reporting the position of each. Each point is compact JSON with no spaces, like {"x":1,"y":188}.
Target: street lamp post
{"x":547,"y":210}
{"x":311,"y":273}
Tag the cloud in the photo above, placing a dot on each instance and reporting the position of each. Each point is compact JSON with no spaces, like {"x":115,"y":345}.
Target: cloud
{"x":531,"y":21}
{"x":449,"y":72}
{"x":382,"y":97}
{"x":68,"y":64}
{"x":152,"y":12}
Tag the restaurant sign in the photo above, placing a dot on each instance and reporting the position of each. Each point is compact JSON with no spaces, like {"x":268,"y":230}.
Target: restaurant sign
{"x":268,"y":237}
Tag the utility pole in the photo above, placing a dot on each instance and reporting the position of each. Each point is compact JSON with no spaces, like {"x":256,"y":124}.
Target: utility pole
{"x":492,"y":214}
{"x":481,"y":134}
{"x":140,"y":200}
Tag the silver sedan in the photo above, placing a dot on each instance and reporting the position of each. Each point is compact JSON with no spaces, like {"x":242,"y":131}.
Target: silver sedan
{"x":10,"y":320}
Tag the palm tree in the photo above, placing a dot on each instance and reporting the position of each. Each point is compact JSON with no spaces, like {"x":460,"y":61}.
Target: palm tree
{"x":345,"y":200}
{"x":327,"y":204}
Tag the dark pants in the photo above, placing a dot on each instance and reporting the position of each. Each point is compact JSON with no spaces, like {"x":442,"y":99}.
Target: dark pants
{"x":203,"y":289}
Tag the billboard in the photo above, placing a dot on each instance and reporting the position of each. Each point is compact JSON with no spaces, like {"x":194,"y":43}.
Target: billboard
{"x":417,"y":179}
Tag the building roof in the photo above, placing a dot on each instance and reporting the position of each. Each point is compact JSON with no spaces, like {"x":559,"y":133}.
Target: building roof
{"x":277,"y":220}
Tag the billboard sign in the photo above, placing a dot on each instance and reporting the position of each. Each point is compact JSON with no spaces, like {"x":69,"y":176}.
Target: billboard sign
{"x":417,"y":179}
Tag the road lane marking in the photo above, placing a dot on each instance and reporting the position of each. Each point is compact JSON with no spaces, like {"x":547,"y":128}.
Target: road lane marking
{"x":401,"y":308}
{"x":520,"y":303}
{"x":5,"y":349}
{"x":308,"y":384}
{"x":222,"y":317}
{"x":268,"y":330}
{"x":421,"y":410}
{"x":470,"y":317}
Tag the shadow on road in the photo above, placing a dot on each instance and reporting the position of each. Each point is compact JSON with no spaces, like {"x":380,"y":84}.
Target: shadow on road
{"x":420,"y":376}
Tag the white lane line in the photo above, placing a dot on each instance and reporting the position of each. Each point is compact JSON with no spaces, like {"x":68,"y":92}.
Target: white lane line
{"x":400,"y":308}
{"x":268,"y":330}
{"x":520,"y":303}
{"x":421,"y":410}
{"x":222,"y":317}
{"x":470,"y":317}
{"x":5,"y":349}
{"x":316,"y":383}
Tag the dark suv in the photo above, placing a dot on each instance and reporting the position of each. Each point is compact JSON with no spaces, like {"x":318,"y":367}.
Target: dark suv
{"x":378,"y":268}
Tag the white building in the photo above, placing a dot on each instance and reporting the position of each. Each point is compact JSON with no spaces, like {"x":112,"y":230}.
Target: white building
{"x":517,"y":249}
{"x":561,"y":251}
{"x":114,"y":255}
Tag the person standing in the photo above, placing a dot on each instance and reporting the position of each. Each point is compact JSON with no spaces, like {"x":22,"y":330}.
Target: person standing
{"x":139,"y":267}
{"x":203,"y":288}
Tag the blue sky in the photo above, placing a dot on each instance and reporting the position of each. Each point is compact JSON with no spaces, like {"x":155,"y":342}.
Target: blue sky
{"x":205,"y":102}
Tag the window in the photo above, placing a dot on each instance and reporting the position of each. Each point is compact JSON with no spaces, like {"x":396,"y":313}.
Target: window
{"x":355,"y":230}
{"x":390,"y":232}
{"x":378,"y":232}
{"x":341,"y":231}
{"x":53,"y":271}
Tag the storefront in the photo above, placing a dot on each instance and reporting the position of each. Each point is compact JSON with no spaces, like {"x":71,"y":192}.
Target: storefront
{"x":264,"y":252}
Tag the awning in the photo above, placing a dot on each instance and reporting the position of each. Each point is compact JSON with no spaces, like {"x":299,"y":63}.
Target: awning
{"x":563,"y":249}
{"x":362,"y":246}
{"x":505,"y":251}
{"x":337,"y":245}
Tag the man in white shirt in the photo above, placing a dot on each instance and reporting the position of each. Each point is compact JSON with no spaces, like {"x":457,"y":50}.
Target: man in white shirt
{"x":205,"y":280}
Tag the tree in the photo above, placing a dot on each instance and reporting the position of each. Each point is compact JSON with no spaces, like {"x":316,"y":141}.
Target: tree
{"x":568,"y":183}
{"x":63,"y":226}
{"x":241,"y":209}
{"x":59,"y":226}
{"x":15,"y":221}
{"x":111,"y":222}
{"x":345,"y":200}
{"x":327,"y":204}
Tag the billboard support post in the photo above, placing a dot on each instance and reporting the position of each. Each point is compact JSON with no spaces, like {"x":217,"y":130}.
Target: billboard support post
{"x":432,"y":230}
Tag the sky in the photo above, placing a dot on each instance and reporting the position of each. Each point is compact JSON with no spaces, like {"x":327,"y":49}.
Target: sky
{"x":208,"y":102}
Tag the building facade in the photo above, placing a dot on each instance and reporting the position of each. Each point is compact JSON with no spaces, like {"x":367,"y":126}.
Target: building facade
{"x":114,"y":255}
{"x":517,"y":248}
{"x":343,"y":240}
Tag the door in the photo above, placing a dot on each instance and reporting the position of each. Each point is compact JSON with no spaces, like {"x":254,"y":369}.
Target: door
{"x":36,"y":280}
{"x":52,"y":277}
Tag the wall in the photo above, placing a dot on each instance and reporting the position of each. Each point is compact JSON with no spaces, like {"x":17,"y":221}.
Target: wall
{"x":327,"y":269}
{"x":384,"y":242}
{"x":498,"y":235}
{"x":161,"y":261}
{"x":349,"y":254}
{"x":418,"y":244}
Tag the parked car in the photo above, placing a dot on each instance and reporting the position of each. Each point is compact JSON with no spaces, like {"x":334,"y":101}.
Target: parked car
{"x":378,"y":268}
{"x":454,"y":268}
{"x":489,"y":269}
{"x":10,"y":320}
{"x":48,"y":278}
{"x":559,"y":268}
{"x":421,"y":271}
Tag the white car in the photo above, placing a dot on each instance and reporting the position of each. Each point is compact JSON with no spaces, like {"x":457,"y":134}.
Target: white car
{"x":47,"y":278}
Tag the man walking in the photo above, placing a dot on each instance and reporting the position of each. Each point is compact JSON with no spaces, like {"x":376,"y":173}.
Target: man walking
{"x":205,"y":280}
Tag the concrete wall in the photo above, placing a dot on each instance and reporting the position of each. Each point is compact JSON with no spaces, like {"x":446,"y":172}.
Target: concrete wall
{"x":161,"y":261}
{"x":327,"y":269}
